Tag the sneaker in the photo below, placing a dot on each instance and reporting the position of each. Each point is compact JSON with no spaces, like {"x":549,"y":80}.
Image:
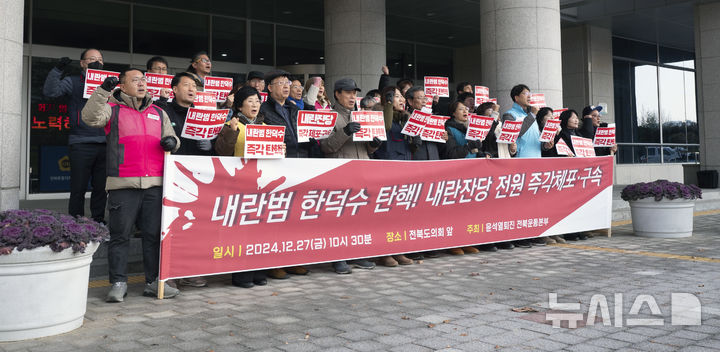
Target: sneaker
{"x":505,"y":245}
{"x":297,"y":270}
{"x":151,"y":290}
{"x":558,"y":239}
{"x":363,"y":264}
{"x":387,"y":261}
{"x":342,"y":267}
{"x":117,"y":292}
{"x":537,"y":241}
{"x":191,"y":281}
{"x":403,"y":260}
{"x":277,"y":274}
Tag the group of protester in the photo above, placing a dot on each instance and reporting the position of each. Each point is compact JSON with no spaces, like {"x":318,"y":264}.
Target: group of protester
{"x":119,"y":135}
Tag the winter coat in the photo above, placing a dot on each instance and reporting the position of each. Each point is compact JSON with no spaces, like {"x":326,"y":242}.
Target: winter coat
{"x":232,"y":143}
{"x":456,"y":146}
{"x":339,"y":144}
{"x":177,"y":114}
{"x":528,"y":142}
{"x":286,"y":115}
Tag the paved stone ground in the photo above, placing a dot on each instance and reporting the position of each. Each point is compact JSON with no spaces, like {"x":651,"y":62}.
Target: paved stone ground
{"x":450,"y":303}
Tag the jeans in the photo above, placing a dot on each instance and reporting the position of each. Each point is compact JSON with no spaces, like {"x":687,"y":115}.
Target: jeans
{"x":142,"y":208}
{"x":87,"y":163}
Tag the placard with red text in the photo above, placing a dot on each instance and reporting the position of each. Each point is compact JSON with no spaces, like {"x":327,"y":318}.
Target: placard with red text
{"x":415,"y":123}
{"x":552,"y":126}
{"x":556,"y":113}
{"x":372,"y":125}
{"x":94,"y":78}
{"x":315,"y":124}
{"x":478,"y":127}
{"x":482,"y":94}
{"x":157,"y":82}
{"x":263,"y":97}
{"x":537,"y":99}
{"x":605,"y":136}
{"x":562,"y":148}
{"x":510,"y":132}
{"x":434,"y":129}
{"x":264,"y":142}
{"x":221,"y":86}
{"x":205,"y":100}
{"x":437,"y":86}
{"x":583,"y":146}
{"x":204,"y":123}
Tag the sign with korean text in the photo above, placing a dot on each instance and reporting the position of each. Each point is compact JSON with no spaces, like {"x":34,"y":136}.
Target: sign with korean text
{"x":415,"y":124}
{"x":205,"y":100}
{"x":372,"y":125}
{"x":482,"y":94}
{"x":552,"y":126}
{"x":264,"y":142}
{"x":428,"y":103}
{"x":537,"y":99}
{"x":436,"y":86}
{"x":510,"y":132}
{"x":605,"y":136}
{"x":562,"y":148}
{"x":229,"y":214}
{"x":556,"y":113}
{"x":583,"y":146}
{"x":220,"y":86}
{"x":203,"y":123}
{"x":357,"y":103}
{"x":94,"y":78}
{"x":315,"y":124}
{"x":157,"y":82}
{"x":263,"y":97}
{"x":478,"y":127}
{"x":434,"y":129}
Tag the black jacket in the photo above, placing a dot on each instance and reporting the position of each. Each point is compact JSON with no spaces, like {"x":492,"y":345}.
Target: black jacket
{"x":177,"y":115}
{"x":270,"y":109}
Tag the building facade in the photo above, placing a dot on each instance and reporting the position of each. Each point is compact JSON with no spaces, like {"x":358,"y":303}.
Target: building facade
{"x":651,"y":64}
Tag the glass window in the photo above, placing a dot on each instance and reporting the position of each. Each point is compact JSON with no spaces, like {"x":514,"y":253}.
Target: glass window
{"x":230,"y":8}
{"x":169,"y":33}
{"x":228,"y":39}
{"x":672,"y":105}
{"x":299,"y":46}
{"x":693,"y":132}
{"x":634,"y":50}
{"x":262,"y":39}
{"x":49,"y":122}
{"x":81,"y":24}
{"x":400,"y":59}
{"x":434,"y":61}
{"x":646,"y":104}
{"x":676,"y":57}
{"x":26,"y":22}
{"x":306,"y":13}
{"x":623,"y":102}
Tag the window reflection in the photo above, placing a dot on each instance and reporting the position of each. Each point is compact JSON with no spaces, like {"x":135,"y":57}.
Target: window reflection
{"x":646,"y":104}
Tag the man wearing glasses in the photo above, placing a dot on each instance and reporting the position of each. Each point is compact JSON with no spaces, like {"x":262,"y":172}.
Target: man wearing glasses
{"x":86,"y":144}
{"x":138,"y":134}
{"x":200,"y":67}
{"x":278,"y":110}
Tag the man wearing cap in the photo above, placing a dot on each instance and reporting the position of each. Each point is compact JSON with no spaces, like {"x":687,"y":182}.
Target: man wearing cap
{"x":340,"y":145}
{"x":590,"y":123}
{"x":256,"y":79}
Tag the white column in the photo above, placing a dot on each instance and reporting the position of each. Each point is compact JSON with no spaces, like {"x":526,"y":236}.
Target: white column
{"x":521,"y":44}
{"x":354,"y":42}
{"x":11,"y":38}
{"x":707,"y":64}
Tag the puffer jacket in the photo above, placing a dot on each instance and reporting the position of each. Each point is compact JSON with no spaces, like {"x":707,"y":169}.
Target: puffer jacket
{"x":232,"y":143}
{"x":134,"y":128}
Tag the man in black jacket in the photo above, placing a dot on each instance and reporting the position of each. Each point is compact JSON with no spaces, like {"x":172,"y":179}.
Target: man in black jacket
{"x":279,"y":111}
{"x":86,"y":144}
{"x":184,"y":87}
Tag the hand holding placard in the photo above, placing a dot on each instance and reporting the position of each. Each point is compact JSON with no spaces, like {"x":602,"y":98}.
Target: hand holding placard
{"x":510,"y":132}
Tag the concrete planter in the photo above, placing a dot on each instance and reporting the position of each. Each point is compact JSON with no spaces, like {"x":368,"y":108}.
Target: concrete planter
{"x":43,"y":292}
{"x":662,"y":219}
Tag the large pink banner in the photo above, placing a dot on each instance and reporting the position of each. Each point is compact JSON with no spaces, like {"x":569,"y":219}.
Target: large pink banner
{"x":226,"y":214}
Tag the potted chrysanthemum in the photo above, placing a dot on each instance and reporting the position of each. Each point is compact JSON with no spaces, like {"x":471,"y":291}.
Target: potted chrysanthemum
{"x":662,"y":208}
{"x":44,"y":270}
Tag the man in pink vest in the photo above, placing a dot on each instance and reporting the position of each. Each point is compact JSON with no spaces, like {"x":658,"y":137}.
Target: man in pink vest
{"x":138,"y":133}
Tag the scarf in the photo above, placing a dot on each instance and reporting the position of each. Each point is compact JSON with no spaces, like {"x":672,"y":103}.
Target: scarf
{"x":298,"y":102}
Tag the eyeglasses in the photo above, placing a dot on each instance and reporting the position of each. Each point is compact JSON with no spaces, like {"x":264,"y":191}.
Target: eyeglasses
{"x":286,"y":83}
{"x":137,"y":80}
{"x":296,"y":86}
{"x":204,"y":60}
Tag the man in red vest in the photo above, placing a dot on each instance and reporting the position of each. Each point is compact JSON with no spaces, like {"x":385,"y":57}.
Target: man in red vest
{"x":138,"y":133}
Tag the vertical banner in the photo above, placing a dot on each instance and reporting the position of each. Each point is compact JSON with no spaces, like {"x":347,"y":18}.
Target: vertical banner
{"x":605,"y":136}
{"x":157,"y":82}
{"x":203,"y":123}
{"x":562,"y":148}
{"x":482,"y":94}
{"x":434,"y":129}
{"x":372,"y":125}
{"x":510,"y":132}
{"x":552,"y":126}
{"x":583,"y":146}
{"x":537,"y":100}
{"x":94,"y":78}
{"x":229,"y":214}
{"x":478,"y":127}
{"x":205,"y":100}
{"x":220,"y":86}
{"x":264,"y":142}
{"x":315,"y":124}
{"x":415,"y":123}
{"x":436,"y":86}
